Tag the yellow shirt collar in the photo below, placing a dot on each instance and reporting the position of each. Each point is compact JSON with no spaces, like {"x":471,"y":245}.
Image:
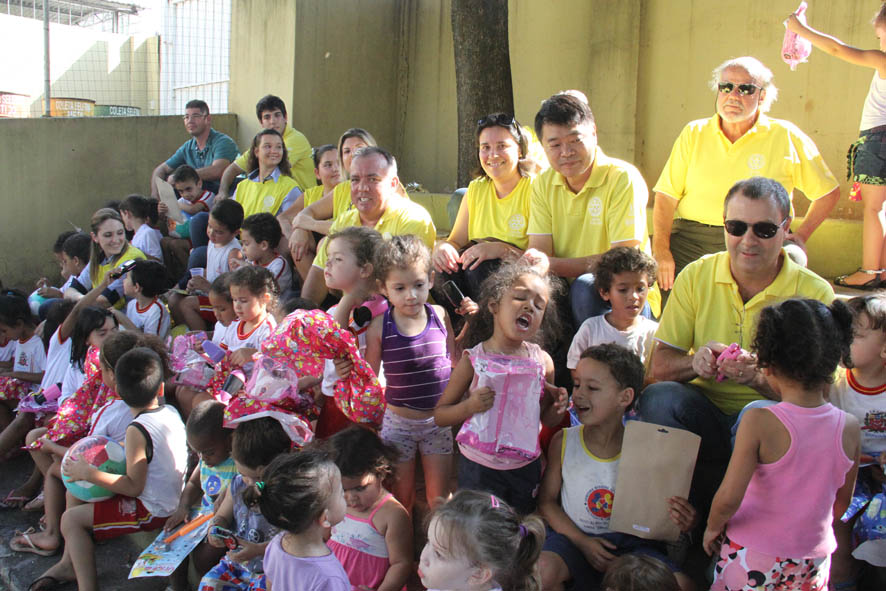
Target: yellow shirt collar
{"x":599,"y":170}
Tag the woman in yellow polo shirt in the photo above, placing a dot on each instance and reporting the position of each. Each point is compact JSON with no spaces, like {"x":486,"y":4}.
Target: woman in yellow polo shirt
{"x":319,"y":215}
{"x":327,"y":169}
{"x":491,"y":223}
{"x":269,"y":187}
{"x":110,"y":249}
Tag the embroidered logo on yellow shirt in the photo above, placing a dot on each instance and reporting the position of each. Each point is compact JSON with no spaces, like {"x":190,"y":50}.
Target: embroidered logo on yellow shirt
{"x":516,"y":224}
{"x":595,"y":208}
{"x":756,"y":161}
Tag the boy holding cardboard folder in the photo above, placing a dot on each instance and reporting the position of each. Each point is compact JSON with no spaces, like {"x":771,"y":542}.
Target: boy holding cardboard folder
{"x":578,"y":487}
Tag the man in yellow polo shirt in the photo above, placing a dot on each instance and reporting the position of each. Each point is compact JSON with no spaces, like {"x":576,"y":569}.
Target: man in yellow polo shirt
{"x":378,"y":204}
{"x":715,"y":302}
{"x":583,"y":205}
{"x":738,"y":142}
{"x":271,"y":112}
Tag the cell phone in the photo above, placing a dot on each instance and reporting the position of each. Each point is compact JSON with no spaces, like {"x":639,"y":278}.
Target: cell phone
{"x":453,"y":293}
{"x":124,"y":268}
{"x":226,"y":535}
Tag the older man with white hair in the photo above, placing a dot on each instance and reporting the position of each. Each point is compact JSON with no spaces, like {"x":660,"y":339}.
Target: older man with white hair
{"x":710,"y":155}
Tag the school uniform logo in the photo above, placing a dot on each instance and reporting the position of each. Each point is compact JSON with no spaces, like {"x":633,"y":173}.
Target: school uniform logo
{"x":599,"y":502}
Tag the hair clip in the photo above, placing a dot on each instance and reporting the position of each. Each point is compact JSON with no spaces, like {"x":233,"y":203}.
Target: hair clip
{"x":260,"y":485}
{"x":523,"y":531}
{"x":494,"y":502}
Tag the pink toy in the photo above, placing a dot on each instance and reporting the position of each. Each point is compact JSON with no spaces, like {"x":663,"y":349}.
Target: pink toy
{"x":794,"y":49}
{"x":730,"y":352}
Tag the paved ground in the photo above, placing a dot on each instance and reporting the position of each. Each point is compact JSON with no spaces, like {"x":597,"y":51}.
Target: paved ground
{"x":18,"y":570}
{"x":114,"y":558}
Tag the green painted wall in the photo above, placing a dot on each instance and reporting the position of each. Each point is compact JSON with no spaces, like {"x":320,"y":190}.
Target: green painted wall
{"x":57,"y":171}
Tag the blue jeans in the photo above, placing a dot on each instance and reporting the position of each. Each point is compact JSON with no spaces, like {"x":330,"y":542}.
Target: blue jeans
{"x":683,"y":406}
{"x":754,"y":404}
{"x":197,"y":229}
{"x":585,"y":300}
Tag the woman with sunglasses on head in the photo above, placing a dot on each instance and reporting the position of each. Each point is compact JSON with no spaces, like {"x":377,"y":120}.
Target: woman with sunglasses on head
{"x":738,"y":142}
{"x":867,"y":169}
{"x":491,"y":223}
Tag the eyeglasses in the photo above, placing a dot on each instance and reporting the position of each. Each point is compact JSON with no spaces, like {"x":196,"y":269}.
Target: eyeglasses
{"x":743,"y":89}
{"x":764,"y":230}
{"x":501,"y":119}
{"x":193,"y":116}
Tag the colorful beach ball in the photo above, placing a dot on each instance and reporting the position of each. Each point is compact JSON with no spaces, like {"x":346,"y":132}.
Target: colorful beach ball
{"x":104,"y":454}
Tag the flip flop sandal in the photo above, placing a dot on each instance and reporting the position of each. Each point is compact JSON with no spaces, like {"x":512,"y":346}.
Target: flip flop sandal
{"x":13,"y":501}
{"x":46,"y":582}
{"x":17,"y":546}
{"x":869,"y":285}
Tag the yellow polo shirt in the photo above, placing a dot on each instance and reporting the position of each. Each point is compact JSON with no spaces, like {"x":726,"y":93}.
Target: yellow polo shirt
{"x":504,"y":219}
{"x":704,"y":165}
{"x":401,"y":217}
{"x":705,"y":306}
{"x":341,"y":199}
{"x":610,"y":208}
{"x":273,"y":194}
{"x":313,"y":195}
{"x":298,"y":148}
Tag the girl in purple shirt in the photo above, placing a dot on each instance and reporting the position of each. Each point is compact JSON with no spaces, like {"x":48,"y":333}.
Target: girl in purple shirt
{"x":413,"y":340}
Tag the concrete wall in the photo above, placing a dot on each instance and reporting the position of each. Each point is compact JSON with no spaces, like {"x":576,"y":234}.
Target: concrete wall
{"x":334,"y":62}
{"x":62,"y":170}
{"x":261,"y":59}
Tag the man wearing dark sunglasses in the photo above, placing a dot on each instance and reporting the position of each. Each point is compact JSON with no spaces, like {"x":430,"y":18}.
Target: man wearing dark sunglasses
{"x":714,"y":303}
{"x":738,"y":142}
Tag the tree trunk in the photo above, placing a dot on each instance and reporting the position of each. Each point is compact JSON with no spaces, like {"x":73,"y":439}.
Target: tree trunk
{"x":482,"y":71}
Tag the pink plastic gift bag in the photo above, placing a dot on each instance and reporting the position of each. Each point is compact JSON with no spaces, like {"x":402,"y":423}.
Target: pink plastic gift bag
{"x":794,"y":49}
{"x":510,"y":428}
{"x":305,"y":339}
{"x":193,"y":370}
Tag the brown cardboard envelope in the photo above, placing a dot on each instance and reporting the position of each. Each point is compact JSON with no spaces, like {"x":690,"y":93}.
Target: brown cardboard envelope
{"x":656,"y":463}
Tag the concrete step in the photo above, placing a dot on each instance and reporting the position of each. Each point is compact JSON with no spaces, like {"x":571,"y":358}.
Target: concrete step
{"x":18,"y":570}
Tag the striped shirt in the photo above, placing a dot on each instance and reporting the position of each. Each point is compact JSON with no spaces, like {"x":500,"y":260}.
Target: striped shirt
{"x":416,"y":368}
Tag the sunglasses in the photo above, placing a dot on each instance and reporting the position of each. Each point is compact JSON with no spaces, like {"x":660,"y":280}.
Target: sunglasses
{"x":501,"y":119}
{"x":764,"y":230}
{"x":743,"y":89}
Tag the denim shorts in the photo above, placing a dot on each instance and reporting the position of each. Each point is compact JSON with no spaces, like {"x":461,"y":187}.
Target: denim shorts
{"x":866,"y":159}
{"x":583,"y":574}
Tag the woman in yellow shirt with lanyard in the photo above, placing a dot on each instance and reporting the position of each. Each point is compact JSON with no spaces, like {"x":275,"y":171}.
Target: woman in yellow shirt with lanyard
{"x":269,"y":187}
{"x":491,"y":223}
{"x":110,"y":249}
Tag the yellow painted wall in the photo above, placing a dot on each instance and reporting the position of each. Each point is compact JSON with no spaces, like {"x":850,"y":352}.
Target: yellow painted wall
{"x":682,"y":42}
{"x":262,"y":55}
{"x":588,"y":45}
{"x":62,"y":170}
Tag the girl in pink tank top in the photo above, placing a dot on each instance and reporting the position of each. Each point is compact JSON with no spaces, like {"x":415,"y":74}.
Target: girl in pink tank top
{"x":374,"y":540}
{"x":794,"y":463}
